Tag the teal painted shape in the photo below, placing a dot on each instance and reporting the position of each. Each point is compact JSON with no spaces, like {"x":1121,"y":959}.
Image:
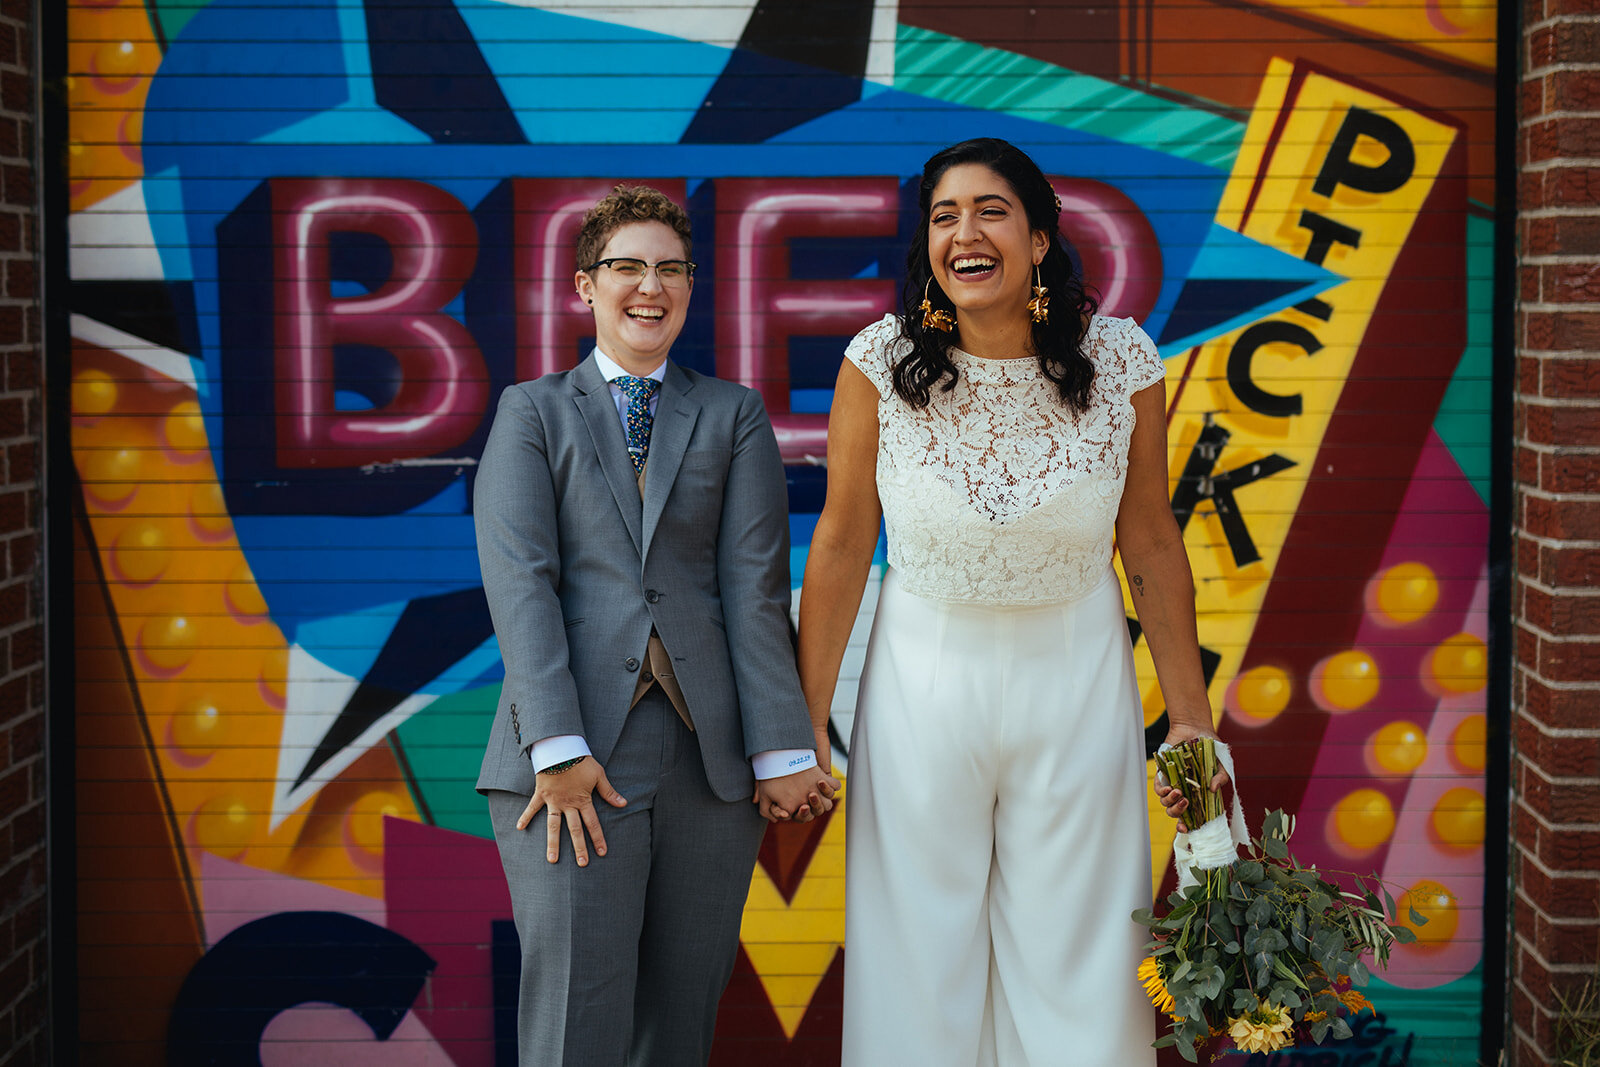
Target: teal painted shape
{"x":443,"y":746}
{"x":1445,"y":1019}
{"x":545,"y":64}
{"x":947,"y":68}
{"x":170,"y":16}
{"x":1463,"y":419}
{"x":1264,"y":279}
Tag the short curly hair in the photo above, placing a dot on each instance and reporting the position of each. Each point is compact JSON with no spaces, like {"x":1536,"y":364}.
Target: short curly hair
{"x":628,"y":203}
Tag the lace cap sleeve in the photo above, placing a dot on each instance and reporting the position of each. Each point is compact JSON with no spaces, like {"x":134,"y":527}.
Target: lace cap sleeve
{"x":1140,"y":362}
{"x":874,"y":351}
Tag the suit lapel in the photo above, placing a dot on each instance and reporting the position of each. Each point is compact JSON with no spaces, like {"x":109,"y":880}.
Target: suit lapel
{"x":676,"y":412}
{"x":599,"y":412}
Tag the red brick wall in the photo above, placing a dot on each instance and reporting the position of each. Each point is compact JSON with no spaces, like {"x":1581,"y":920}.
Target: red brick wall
{"x":24,"y":1037}
{"x":1556,"y":688}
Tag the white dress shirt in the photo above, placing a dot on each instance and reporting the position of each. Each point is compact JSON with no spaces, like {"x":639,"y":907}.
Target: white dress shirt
{"x":547,"y":752}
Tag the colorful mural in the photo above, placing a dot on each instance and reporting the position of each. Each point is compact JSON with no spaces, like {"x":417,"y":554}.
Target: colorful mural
{"x":311,"y":241}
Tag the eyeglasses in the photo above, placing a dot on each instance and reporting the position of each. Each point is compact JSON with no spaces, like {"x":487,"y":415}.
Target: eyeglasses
{"x":672,"y":273}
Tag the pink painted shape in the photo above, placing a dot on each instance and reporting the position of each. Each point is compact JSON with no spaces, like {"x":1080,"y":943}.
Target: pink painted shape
{"x":444,"y":889}
{"x":1444,"y":524}
{"x":232,"y":895}
{"x":327,"y":1033}
{"x":1421,"y":856}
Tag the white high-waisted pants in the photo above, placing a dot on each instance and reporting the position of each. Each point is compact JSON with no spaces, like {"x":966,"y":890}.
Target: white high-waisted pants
{"x":997,"y":839}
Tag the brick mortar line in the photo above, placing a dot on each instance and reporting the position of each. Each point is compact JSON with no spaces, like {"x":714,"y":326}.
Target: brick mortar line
{"x":1556,"y":402}
{"x":1532,"y":213}
{"x":1559,"y":780}
{"x":1532,"y":307}
{"x":1576,"y":733}
{"x":1545,"y":448}
{"x":1524,"y":122}
{"x":1571,"y":925}
{"x":1558,"y":20}
{"x":1545,"y":541}
{"x":1562,"y":639}
{"x":1525,"y":901}
{"x":1556,"y":260}
{"x":1578,"y":591}
{"x":1546,"y":824}
{"x":1552,"y":968}
{"x":1560,"y":66}
{"x":1535,"y":493}
{"x":1560,"y":687}
{"x":1544,"y":166}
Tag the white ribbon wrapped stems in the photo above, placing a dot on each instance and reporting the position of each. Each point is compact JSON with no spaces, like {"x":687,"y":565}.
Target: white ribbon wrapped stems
{"x":1216,"y":843}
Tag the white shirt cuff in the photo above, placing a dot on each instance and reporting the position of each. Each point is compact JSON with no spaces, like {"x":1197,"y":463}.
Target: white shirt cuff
{"x":549,"y":751}
{"x":777,"y":762}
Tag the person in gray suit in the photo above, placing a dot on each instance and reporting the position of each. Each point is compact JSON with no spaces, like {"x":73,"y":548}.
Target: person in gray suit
{"x":633,"y":535}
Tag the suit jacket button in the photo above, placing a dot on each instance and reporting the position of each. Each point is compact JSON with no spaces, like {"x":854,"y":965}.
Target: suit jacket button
{"x":647,"y":676}
{"x":631,"y":665}
{"x":651,"y":595}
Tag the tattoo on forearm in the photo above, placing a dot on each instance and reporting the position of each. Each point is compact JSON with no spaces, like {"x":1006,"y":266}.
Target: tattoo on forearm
{"x":1138,"y":583}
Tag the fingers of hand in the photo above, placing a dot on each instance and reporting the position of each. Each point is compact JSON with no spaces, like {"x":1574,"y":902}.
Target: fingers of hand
{"x":535,"y":802}
{"x":580,"y":844}
{"x":591,"y":820}
{"x":552,"y":838}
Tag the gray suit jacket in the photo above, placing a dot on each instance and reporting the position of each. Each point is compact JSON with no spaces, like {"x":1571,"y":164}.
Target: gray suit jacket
{"x":578,"y":568}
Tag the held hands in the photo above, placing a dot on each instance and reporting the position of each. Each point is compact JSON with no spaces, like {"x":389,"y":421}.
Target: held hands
{"x":1172,"y":799}
{"x":801,"y":796}
{"x":569,"y":798}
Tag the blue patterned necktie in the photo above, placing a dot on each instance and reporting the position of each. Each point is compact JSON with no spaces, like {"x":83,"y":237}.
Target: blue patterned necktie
{"x":638,"y":391}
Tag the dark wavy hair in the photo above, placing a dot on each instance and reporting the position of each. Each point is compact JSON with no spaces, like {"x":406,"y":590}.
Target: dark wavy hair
{"x":1058,"y":343}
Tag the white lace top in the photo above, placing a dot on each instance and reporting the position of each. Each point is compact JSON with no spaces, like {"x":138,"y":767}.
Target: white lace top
{"x":995,"y":493}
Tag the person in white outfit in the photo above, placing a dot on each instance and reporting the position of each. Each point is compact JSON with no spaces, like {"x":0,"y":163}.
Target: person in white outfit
{"x":997,"y":832}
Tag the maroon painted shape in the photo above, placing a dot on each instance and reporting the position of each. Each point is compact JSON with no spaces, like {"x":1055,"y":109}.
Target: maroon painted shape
{"x":748,"y":1030}
{"x":443,"y":890}
{"x":1374,"y":439}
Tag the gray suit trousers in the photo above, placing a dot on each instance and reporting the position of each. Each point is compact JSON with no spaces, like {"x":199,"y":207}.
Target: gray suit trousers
{"x":613,"y":973}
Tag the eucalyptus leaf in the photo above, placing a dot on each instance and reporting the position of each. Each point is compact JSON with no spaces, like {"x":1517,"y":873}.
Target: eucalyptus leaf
{"x":1249,"y":871}
{"x":1275,"y":847}
{"x":1341,"y":1029}
{"x":1319,"y":902}
{"x":1359,"y":975}
{"x":1416,"y":917}
{"x":1403,"y":935}
{"x":1259,"y":911}
{"x":1319,"y":1029}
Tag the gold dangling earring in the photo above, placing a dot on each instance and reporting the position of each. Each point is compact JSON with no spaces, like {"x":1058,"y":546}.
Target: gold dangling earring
{"x":934,"y":319}
{"x":1039,"y":306}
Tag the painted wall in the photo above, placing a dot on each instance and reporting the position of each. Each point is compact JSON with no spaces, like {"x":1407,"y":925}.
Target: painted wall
{"x":311,"y":240}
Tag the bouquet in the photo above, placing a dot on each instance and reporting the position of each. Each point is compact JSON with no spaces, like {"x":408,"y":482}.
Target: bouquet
{"x":1258,"y":953}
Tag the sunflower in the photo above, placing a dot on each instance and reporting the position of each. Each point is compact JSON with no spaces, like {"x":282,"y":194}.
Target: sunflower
{"x":1266,"y":1029}
{"x":1155,"y":986}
